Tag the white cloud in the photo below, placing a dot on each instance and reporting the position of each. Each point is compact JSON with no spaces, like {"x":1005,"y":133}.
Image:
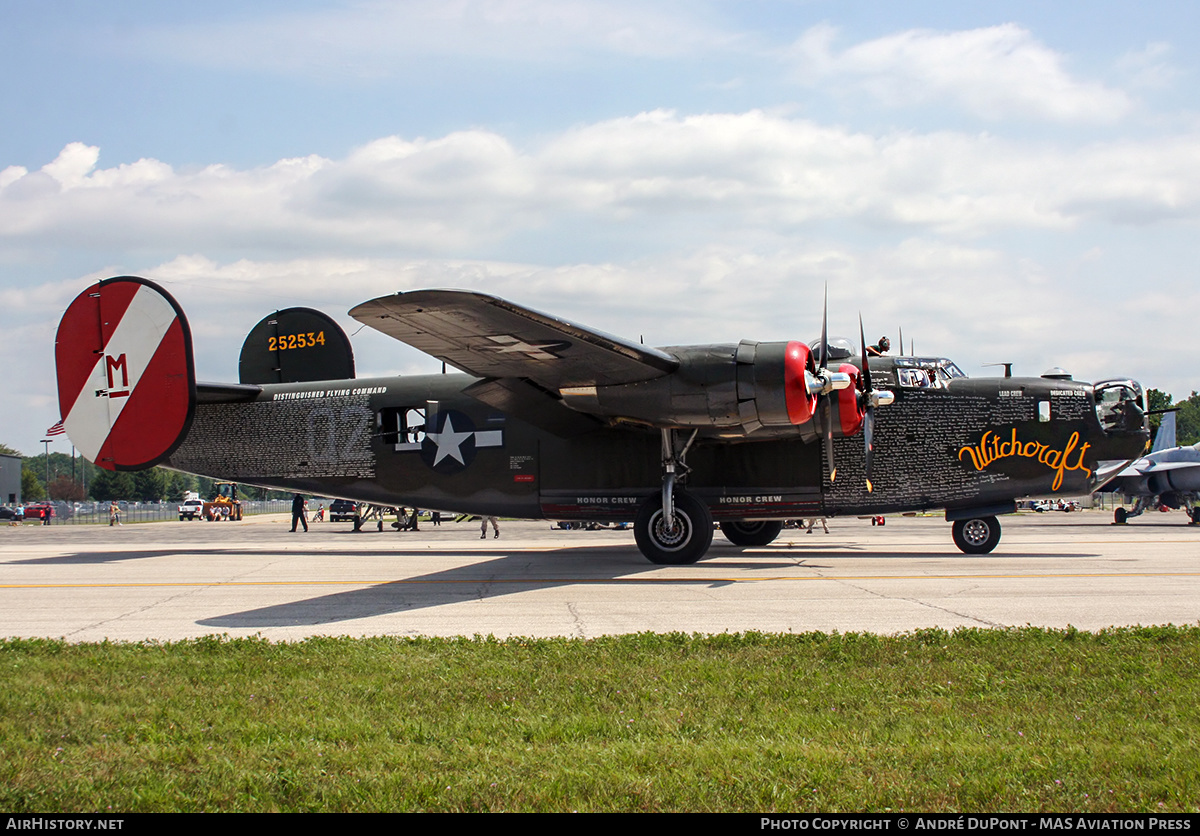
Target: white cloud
{"x":72,"y":166}
{"x":471,"y":190}
{"x":996,"y":72}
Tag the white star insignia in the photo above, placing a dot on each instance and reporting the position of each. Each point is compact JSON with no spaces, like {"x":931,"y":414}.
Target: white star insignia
{"x":449,"y":442}
{"x":507,"y":344}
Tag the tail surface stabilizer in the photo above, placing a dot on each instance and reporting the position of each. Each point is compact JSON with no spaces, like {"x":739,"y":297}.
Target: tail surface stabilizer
{"x":296,"y":345}
{"x":126,"y":376}
{"x":1165,"y":439}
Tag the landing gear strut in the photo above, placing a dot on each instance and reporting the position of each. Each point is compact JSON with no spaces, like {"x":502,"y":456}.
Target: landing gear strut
{"x":673,"y":528}
{"x":1122,"y":515}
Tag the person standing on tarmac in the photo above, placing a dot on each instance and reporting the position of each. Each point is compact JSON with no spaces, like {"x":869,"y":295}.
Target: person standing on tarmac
{"x":298,"y":515}
{"x":483,"y":527}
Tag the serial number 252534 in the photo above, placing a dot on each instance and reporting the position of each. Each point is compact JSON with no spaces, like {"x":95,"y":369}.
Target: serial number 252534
{"x":286,"y":341}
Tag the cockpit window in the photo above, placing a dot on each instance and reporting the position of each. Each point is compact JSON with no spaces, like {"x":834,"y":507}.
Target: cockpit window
{"x":916,"y":378}
{"x":1119,"y":406}
{"x":925,"y":372}
{"x":950,"y":370}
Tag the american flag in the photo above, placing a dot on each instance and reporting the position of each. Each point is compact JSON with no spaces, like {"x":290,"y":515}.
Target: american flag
{"x":57,"y":429}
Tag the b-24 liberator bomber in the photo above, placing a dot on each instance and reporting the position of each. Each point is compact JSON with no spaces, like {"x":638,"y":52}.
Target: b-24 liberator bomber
{"x":550,"y":419}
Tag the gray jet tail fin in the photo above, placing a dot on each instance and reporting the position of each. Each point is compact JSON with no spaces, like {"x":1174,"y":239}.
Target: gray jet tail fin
{"x":1165,"y":439}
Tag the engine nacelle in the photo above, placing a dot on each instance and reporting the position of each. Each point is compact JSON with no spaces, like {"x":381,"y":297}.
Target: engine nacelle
{"x":735,"y":389}
{"x":1183,"y":480}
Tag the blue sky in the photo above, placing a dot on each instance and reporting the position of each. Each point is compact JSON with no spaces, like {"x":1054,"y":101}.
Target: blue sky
{"x":1015,"y":182}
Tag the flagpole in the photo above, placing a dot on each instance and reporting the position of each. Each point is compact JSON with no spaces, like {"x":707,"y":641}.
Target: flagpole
{"x":57,"y":429}
{"x":47,"y":441}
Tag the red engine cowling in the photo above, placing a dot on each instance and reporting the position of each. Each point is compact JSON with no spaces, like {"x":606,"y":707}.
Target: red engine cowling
{"x":763,"y":367}
{"x":797,"y":360}
{"x":847,"y":409}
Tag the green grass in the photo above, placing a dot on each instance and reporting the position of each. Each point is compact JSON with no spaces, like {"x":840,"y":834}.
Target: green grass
{"x":975,"y":720}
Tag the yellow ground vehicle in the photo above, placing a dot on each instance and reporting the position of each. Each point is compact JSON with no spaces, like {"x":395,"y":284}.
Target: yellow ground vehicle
{"x":225,"y":505}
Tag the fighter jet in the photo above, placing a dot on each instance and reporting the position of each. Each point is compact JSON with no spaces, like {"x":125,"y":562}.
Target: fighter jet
{"x":1168,"y":476}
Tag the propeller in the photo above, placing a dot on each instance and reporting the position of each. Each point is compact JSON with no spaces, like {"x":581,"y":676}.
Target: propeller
{"x":868,"y":407}
{"x":826,"y":406}
{"x":871,"y":398}
{"x":823,"y":383}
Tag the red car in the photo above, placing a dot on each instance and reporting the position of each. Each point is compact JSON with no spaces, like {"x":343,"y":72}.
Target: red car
{"x":39,"y":511}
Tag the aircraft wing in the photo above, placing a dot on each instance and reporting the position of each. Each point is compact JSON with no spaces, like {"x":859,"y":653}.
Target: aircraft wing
{"x":490,"y":337}
{"x":1110,"y":471}
{"x":1141,"y":467}
{"x":1159,"y":467}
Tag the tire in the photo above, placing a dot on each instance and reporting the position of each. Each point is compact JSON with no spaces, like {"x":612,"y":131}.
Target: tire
{"x":1196,"y":514}
{"x":686,"y":545}
{"x":977,"y":536}
{"x":1120,"y":516}
{"x":760,"y":533}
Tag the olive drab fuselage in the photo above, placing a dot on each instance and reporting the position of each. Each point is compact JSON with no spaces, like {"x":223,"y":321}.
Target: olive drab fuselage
{"x":423,"y":441}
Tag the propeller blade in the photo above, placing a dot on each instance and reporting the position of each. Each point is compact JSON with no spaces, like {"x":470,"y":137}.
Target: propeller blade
{"x":868,"y":410}
{"x":869,"y":442}
{"x":826,"y":408}
{"x":824,"y":331}
{"x":866,"y":369}
{"x":827,"y":424}
{"x":901,"y":351}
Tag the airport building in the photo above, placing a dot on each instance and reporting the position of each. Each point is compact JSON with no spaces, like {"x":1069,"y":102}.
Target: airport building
{"x":10,"y":480}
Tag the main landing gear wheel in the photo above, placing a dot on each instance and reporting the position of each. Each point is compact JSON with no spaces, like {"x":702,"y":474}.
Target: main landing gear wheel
{"x":743,"y":533}
{"x":978,"y":536}
{"x":1196,"y":514}
{"x":1120,"y":516}
{"x":685,"y":543}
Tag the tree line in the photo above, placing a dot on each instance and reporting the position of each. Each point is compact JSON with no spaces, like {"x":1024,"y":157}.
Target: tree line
{"x":1187,"y":418}
{"x":78,"y":480}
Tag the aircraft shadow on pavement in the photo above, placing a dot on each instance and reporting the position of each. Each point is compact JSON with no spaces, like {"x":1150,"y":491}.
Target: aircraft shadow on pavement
{"x":781,"y":554}
{"x":506,"y":573}
{"x":84,"y":558}
{"x":628,"y":555}
{"x":500,"y":573}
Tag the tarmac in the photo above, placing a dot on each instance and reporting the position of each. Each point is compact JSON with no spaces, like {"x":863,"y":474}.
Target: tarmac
{"x":174,"y":580}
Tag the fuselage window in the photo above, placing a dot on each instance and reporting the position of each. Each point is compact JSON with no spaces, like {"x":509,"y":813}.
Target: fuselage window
{"x":402,"y":427}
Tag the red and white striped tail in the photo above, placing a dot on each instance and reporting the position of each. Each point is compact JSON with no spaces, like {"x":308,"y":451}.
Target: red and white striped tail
{"x":126,"y":378}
